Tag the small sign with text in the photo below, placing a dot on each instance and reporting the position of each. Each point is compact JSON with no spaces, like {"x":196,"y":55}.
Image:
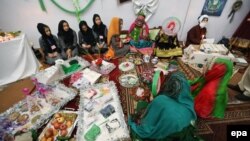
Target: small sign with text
{"x":238,"y":132}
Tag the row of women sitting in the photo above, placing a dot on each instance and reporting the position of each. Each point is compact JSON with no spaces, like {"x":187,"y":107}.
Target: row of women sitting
{"x":66,"y":45}
{"x":91,"y":41}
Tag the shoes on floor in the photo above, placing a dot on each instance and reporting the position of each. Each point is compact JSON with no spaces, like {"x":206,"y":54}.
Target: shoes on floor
{"x":234,"y":87}
{"x":242,"y":97}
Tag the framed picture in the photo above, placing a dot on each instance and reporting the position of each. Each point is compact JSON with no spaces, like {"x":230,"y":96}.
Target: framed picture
{"x":213,"y":7}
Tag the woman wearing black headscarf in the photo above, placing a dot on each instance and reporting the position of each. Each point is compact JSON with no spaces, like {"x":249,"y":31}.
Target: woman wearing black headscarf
{"x":87,"y":39}
{"x":49,"y":44}
{"x":67,"y":39}
{"x":100,"y":30}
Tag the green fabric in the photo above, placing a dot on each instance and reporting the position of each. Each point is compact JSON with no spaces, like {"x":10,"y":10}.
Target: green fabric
{"x":221,"y":100}
{"x":71,"y":68}
{"x":153,"y":33}
{"x":221,"y":93}
{"x":135,"y":34}
{"x":200,"y":82}
{"x":166,"y":115}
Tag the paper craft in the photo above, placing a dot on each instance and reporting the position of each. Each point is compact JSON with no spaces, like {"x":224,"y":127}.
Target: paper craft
{"x":107,"y":111}
{"x":84,"y":78}
{"x":61,"y":70}
{"x":93,"y":132}
{"x":104,"y":68}
{"x":208,"y":41}
{"x":106,"y":121}
{"x":33,"y":112}
{"x":126,"y":66}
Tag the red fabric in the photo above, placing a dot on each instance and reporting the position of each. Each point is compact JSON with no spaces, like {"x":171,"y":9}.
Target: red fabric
{"x":204,"y":102}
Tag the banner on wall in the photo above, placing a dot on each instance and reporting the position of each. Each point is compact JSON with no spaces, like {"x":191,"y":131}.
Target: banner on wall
{"x":213,"y":7}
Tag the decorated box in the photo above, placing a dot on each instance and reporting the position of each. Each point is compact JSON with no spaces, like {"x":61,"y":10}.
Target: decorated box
{"x":84,"y":78}
{"x":34,"y":110}
{"x":102,"y":66}
{"x":60,"y":126}
{"x":101,"y":117}
{"x":193,"y":55}
{"x":61,"y":70}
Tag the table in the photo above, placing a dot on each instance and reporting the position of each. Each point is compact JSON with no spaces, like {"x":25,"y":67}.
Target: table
{"x":193,"y":55}
{"x":17,"y":60}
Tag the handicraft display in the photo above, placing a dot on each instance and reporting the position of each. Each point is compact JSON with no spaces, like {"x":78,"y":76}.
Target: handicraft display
{"x":60,"y":126}
{"x":126,"y":66}
{"x":171,"y":26}
{"x":148,"y":7}
{"x":101,"y":116}
{"x":61,"y":70}
{"x":84,"y":78}
{"x":77,"y":5}
{"x":35,"y":109}
{"x":102,"y":66}
{"x":6,"y":36}
{"x":129,"y":80}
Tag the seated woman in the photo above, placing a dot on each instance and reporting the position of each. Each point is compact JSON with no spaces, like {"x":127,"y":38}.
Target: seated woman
{"x":197,"y":33}
{"x":101,"y":31}
{"x":210,"y":91}
{"x":168,"y":113}
{"x":163,"y":41}
{"x":67,"y":40}
{"x":116,"y":47}
{"x":87,"y":39}
{"x":49,"y":44}
{"x":139,"y":33}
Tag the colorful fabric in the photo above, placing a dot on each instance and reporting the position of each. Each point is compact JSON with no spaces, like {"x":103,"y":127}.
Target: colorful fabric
{"x":114,"y":28}
{"x":141,"y":44}
{"x":210,"y":91}
{"x":161,"y":118}
{"x":139,"y":34}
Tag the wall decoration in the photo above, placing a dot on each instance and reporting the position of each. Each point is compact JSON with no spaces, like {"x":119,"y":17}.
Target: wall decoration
{"x":147,"y":8}
{"x":236,"y":6}
{"x":171,"y":26}
{"x":77,"y":11}
{"x":213,"y":7}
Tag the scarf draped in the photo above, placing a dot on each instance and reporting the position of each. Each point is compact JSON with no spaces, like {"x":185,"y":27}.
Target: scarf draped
{"x":168,"y":113}
{"x":99,"y":29}
{"x":210,"y":91}
{"x":114,"y":29}
{"x":49,"y":40}
{"x":68,"y":36}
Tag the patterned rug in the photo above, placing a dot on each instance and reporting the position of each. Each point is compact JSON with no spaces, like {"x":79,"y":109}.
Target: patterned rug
{"x":236,"y":112}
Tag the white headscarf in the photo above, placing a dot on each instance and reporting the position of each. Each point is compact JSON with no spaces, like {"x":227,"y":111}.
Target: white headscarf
{"x":202,"y":17}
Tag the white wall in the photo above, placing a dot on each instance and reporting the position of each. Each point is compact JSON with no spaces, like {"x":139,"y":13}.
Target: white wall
{"x":25,"y":14}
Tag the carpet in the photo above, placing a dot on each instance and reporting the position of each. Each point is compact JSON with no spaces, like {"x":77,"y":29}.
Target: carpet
{"x":12,"y":93}
{"x":237,"y":112}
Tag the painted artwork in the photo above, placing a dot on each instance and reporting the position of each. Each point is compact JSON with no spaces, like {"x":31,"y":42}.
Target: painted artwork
{"x":213,"y":7}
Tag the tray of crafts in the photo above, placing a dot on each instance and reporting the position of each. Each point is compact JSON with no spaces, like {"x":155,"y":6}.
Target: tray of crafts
{"x":101,"y":116}
{"x":102,"y":66}
{"x":60,"y":126}
{"x":34,"y":110}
